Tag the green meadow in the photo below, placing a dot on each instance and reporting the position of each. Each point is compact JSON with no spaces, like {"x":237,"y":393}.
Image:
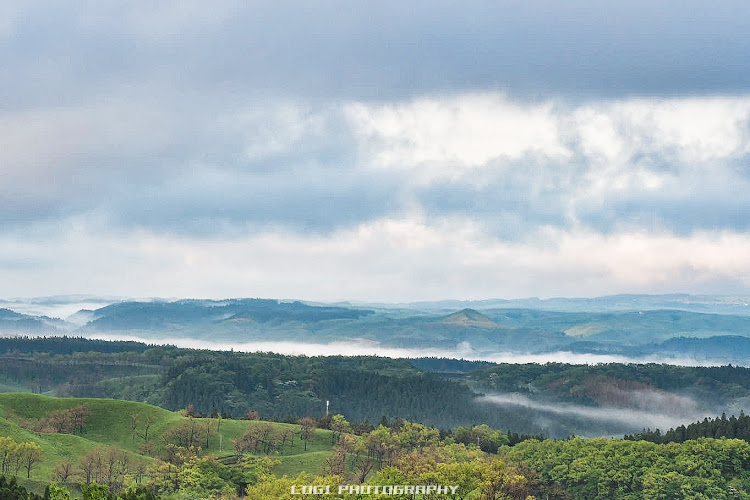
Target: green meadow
{"x":111,"y":424}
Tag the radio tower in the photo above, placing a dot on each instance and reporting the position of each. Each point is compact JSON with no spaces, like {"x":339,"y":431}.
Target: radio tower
{"x":327,"y":403}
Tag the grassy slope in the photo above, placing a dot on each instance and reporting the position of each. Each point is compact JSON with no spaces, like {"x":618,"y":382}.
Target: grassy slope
{"x":110,"y":424}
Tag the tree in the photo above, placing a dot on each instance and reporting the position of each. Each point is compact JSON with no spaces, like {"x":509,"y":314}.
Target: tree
{"x":30,"y":454}
{"x":134,"y":421}
{"x":139,"y":492}
{"x":55,"y":492}
{"x":307,"y":428}
{"x":286,"y":434}
{"x":91,"y":464}
{"x":11,"y":490}
{"x":339,"y":425}
{"x":208,"y":432}
{"x":116,"y":463}
{"x":335,"y":464}
{"x":190,"y":411}
{"x":63,"y":471}
{"x":8,"y":447}
{"x":95,"y":491}
{"x":246,"y":443}
{"x":146,"y":426}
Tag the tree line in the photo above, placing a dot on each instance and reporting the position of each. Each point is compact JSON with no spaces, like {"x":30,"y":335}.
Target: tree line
{"x":719,"y":427}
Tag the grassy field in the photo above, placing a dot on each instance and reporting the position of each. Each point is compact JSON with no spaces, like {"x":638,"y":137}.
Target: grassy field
{"x":110,"y":424}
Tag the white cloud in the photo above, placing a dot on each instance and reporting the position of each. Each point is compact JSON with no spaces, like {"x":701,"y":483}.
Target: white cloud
{"x":444,"y":137}
{"x":648,"y":143}
{"x":695,"y":130}
{"x":577,"y":358}
{"x":382,"y":260}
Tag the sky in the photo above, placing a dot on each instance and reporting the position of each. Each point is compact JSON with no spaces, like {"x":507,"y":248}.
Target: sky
{"x":374,"y":151}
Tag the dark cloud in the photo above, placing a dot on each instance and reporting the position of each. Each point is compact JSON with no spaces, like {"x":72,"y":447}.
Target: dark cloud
{"x":376,"y":51}
{"x":512,"y":204}
{"x":314,"y":200}
{"x":249,"y":166}
{"x":681,"y":210}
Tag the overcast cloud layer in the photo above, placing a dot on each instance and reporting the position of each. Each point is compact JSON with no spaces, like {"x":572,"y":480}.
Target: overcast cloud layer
{"x":381,"y":151}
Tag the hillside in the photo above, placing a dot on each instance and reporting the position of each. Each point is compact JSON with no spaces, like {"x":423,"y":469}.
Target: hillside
{"x":110,"y":424}
{"x":470,"y":318}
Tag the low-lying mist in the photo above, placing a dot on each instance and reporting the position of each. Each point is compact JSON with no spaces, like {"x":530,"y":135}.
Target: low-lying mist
{"x":361,"y":347}
{"x":668,"y":411}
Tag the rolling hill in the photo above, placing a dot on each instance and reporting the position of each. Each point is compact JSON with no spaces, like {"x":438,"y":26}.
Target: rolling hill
{"x":110,"y":424}
{"x":633,"y":326}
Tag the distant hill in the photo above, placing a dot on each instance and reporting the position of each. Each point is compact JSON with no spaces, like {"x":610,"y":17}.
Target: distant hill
{"x":625,"y":325}
{"x":717,"y":304}
{"x":12,"y":322}
{"x":470,"y":318}
{"x":158,"y":315}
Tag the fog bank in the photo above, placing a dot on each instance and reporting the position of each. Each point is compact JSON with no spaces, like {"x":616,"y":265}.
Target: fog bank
{"x":663,"y":418}
{"x":372,"y":348}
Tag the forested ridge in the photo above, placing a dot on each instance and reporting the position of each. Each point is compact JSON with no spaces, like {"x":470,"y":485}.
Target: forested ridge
{"x":233,"y":383}
{"x":433,"y":391}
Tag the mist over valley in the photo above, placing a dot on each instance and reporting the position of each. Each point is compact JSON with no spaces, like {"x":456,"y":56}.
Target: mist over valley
{"x":591,"y":334}
{"x":624,"y":329}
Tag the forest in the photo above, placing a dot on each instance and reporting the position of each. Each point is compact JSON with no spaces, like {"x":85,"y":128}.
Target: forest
{"x":188,"y":423}
{"x":553,"y":399}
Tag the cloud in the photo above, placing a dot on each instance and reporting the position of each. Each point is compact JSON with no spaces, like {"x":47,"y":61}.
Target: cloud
{"x":445,"y":137}
{"x":510,"y":166}
{"x":491,"y":130}
{"x":384,"y":259}
{"x":661,"y":165}
{"x":385,"y":51}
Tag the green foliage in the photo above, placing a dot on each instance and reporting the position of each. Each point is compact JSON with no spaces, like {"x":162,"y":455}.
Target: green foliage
{"x":410,"y":453}
{"x":277,"y":387}
{"x":487,"y":439}
{"x":719,"y":427}
{"x":95,"y":491}
{"x":11,"y":490}
{"x":55,"y":492}
{"x":202,"y":459}
{"x":620,"y":469}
